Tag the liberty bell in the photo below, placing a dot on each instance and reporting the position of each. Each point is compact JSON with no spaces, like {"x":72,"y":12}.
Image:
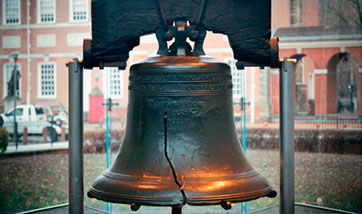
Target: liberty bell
{"x":180,"y":145}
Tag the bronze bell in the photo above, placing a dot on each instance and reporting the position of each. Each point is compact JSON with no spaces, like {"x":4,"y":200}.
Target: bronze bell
{"x":180,"y":145}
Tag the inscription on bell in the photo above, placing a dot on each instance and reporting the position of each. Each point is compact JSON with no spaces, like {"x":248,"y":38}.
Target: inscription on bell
{"x":181,"y":77}
{"x":176,"y":104}
{"x":178,"y":87}
{"x":180,"y":111}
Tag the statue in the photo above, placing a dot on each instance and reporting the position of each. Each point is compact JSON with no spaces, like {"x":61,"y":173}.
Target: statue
{"x":10,"y":83}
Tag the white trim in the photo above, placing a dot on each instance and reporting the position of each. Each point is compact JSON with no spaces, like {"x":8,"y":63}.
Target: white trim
{"x":39,"y":95}
{"x":106,"y":84}
{"x":47,"y":25}
{"x":11,"y":41}
{"x":299,"y":50}
{"x":320,"y":71}
{"x":360,"y":70}
{"x":70,"y":55}
{"x":71,"y":12}
{"x":342,"y":49}
{"x":46,"y":58}
{"x":39,"y":15}
{"x":28,"y":46}
{"x":4,"y":14}
{"x":87,"y":78}
{"x":319,"y":44}
{"x":244,"y":74}
{"x":252,"y":95}
{"x":5,"y":85}
{"x":76,"y":39}
{"x":320,"y":37}
{"x":46,"y":40}
{"x":236,"y":80}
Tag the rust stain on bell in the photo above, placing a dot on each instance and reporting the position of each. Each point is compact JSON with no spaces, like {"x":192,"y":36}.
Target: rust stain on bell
{"x":180,"y":145}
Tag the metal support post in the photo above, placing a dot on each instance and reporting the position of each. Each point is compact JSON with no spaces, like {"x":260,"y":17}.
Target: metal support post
{"x":286,"y":99}
{"x":15,"y":134}
{"x":76,"y":191}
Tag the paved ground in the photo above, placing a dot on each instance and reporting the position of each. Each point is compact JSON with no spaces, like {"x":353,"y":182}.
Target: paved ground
{"x":35,"y":148}
{"x":299,"y":209}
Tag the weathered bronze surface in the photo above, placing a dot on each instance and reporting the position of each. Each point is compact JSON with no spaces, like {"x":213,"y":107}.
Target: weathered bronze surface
{"x":180,"y":144}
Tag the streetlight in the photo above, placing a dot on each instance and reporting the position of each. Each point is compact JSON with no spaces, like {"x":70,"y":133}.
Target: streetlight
{"x":14,"y":56}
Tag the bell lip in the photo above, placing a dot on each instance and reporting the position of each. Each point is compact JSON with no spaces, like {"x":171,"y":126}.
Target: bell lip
{"x":172,"y":201}
{"x":112,"y":175}
{"x":233,"y":198}
{"x":193,"y":196}
{"x":129,"y":199}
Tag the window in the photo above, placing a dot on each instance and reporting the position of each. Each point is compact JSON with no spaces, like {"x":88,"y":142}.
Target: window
{"x":11,"y":11}
{"x":39,"y":111}
{"x":47,"y":80}
{"x":296,"y":7}
{"x":114,"y":81}
{"x":79,"y":10}
{"x":18,"y":112}
{"x":8,"y":72}
{"x":236,"y":78}
{"x":46,"y":11}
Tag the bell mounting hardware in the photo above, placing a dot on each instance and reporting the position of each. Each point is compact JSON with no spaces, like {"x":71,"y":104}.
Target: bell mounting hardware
{"x":117,"y":26}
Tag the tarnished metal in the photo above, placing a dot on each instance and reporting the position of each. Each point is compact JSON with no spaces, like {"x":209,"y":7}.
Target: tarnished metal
{"x":76,"y":188}
{"x":286,"y":94}
{"x":180,"y":144}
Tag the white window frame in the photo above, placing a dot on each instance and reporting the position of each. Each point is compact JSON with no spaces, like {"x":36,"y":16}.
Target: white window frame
{"x":4,"y":13}
{"x":234,"y":70}
{"x":5,"y":84}
{"x":71,"y":16}
{"x":39,"y":14}
{"x":107,"y":84}
{"x":39,"y":94}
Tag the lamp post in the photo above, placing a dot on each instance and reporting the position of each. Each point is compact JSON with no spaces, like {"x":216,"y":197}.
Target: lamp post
{"x":14,"y":56}
{"x":350,"y":88}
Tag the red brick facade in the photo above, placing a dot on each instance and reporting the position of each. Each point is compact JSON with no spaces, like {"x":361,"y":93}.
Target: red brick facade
{"x":66,"y":45}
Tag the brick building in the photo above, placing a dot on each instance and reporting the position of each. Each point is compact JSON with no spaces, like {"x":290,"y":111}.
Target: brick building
{"x":47,"y":33}
{"x":326,"y":39}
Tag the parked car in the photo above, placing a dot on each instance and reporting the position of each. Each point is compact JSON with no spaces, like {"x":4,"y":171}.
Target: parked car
{"x":35,"y":118}
{"x":62,"y":116}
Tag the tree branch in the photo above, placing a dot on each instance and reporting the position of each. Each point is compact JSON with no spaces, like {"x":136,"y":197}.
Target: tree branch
{"x":334,"y":11}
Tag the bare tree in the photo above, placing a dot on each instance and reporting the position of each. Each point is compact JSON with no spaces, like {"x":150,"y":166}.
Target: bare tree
{"x":341,"y":12}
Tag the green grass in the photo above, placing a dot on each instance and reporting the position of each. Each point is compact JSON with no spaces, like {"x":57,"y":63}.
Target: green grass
{"x":30,"y":182}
